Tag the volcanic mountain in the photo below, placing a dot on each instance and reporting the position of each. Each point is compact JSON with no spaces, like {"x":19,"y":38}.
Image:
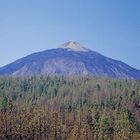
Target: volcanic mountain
{"x":71,"y":59}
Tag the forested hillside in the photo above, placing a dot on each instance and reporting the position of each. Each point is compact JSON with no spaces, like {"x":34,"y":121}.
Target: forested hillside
{"x":74,"y":108}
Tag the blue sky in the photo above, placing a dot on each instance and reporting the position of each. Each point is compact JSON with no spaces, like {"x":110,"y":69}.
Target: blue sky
{"x":111,"y":27}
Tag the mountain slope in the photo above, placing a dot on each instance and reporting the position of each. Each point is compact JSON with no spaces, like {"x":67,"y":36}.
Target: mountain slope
{"x":71,"y":59}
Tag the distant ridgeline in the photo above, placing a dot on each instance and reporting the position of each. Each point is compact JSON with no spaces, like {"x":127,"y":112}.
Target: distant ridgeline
{"x":52,"y":108}
{"x":70,"y":59}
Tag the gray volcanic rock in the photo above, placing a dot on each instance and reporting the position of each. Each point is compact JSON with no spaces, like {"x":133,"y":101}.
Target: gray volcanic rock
{"x":71,"y":59}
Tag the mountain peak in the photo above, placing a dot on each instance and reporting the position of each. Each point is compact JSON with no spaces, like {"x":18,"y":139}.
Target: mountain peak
{"x":74,"y":46}
{"x":69,"y":62}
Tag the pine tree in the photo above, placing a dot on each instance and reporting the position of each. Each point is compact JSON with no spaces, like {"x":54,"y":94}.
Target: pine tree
{"x":104,"y":127}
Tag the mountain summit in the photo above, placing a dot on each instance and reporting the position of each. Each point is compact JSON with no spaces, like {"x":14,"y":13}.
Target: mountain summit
{"x":71,"y":59}
{"x":74,"y":46}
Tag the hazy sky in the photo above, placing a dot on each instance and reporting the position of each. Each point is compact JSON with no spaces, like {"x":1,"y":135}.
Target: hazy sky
{"x":111,"y":27}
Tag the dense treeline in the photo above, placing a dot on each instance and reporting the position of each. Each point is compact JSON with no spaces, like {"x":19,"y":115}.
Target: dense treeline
{"x":58,"y":108}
